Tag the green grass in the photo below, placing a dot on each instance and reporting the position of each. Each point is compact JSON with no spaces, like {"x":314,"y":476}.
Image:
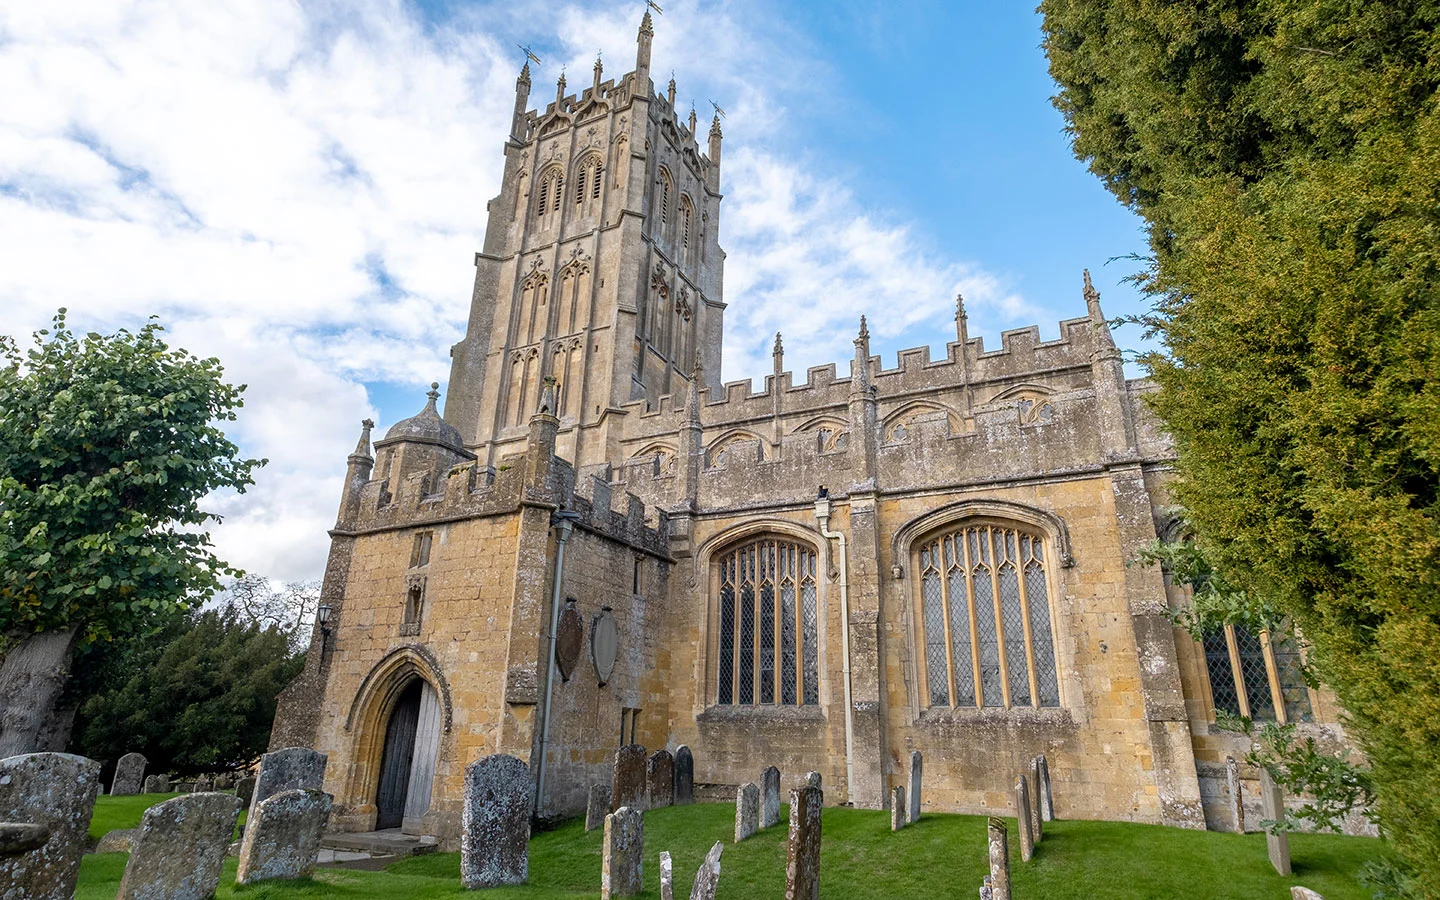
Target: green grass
{"x":126,"y":812}
{"x":942,"y":856}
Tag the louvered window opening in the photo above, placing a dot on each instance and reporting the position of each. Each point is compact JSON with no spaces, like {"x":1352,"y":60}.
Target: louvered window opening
{"x":986,"y":613}
{"x":769,"y":625}
{"x":1259,"y":676}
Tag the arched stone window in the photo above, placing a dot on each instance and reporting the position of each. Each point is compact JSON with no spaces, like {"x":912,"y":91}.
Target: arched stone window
{"x":984,"y":601}
{"x":548,"y":196}
{"x":667,"y":187}
{"x":768,"y":627}
{"x":687,"y":227}
{"x":588,"y":176}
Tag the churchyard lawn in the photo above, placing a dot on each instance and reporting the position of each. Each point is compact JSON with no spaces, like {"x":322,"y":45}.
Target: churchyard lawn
{"x":941,"y":856}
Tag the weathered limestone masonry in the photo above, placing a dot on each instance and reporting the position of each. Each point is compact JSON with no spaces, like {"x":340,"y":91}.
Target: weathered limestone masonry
{"x":959,"y":589}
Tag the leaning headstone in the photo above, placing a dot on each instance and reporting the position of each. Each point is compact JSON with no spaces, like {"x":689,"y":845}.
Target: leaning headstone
{"x":1237,"y":799}
{"x":290,"y":769}
{"x":158,"y":784}
{"x":495,"y":822}
{"x":1022,"y":819}
{"x":282,"y":836}
{"x":769,"y":797}
{"x":1047,"y":796}
{"x":802,"y":850}
{"x":684,"y":776}
{"x":129,"y":775}
{"x":999,"y":881}
{"x":707,"y":879}
{"x":812,"y":779}
{"x":598,"y":806}
{"x":179,"y":848}
{"x":56,"y":791}
{"x":1303,"y":893}
{"x":1037,"y":828}
{"x":1272,"y":802}
{"x":897,"y":808}
{"x":245,"y":789}
{"x":747,"y":811}
{"x":917,"y":764}
{"x":22,"y":837}
{"x":118,"y":840}
{"x":629,"y":785}
{"x":667,"y":876}
{"x":660,"y":773}
{"x":623,"y":856}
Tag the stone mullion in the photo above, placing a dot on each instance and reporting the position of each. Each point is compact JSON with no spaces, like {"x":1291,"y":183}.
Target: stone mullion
{"x":1236,"y":671}
{"x":1025,"y":617}
{"x":1272,"y":673}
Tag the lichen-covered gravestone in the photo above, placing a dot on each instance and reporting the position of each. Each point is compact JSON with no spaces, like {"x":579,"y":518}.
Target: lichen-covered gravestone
{"x":177,"y":851}
{"x":282,"y":836}
{"x":1037,"y":828}
{"x":290,"y":769}
{"x":802,"y":851}
{"x":159,"y":784}
{"x":707,"y":878}
{"x":1022,"y":819}
{"x":598,"y":806}
{"x":495,"y":844}
{"x":56,"y":791}
{"x":897,"y":808}
{"x":660,"y":772}
{"x":1237,"y":799}
{"x":747,"y":811}
{"x":999,"y":858}
{"x":812,"y":779}
{"x":1046,"y":800}
{"x":684,"y":776}
{"x":629,"y":785}
{"x":917,"y":766}
{"x":667,"y":876}
{"x":245,"y":790}
{"x":20,"y":837}
{"x":1272,"y":801}
{"x":769,"y":797}
{"x":204,"y":784}
{"x":129,"y":775}
{"x":623,"y":862}
{"x":1303,"y":893}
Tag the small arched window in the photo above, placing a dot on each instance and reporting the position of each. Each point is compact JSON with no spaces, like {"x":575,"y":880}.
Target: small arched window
{"x":985,"y":604}
{"x":687,"y":224}
{"x":768,"y":648}
{"x":588,"y":175}
{"x":547,"y":202}
{"x":665,"y":189}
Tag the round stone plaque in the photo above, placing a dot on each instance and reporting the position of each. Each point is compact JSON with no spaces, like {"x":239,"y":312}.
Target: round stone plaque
{"x":604,"y":643}
{"x":569,"y":640}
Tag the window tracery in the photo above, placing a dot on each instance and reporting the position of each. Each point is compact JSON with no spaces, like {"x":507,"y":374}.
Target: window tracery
{"x":547,"y":201}
{"x":768,"y":629}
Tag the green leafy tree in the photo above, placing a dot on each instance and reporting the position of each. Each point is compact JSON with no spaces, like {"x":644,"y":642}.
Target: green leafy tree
{"x":203,"y":701}
{"x":1286,"y":157}
{"x":108,"y":443}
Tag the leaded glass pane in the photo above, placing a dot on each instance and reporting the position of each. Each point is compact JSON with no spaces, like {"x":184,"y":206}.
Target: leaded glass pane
{"x":960,"y":639}
{"x":1222,"y":676}
{"x":1044,"y":642}
{"x":1252,"y":670}
{"x":747,"y":644}
{"x":938,"y":677}
{"x":1292,"y":677}
{"x":809,"y":638}
{"x":767,"y":644}
{"x":726,"y":693}
{"x":990,"y":689}
{"x":787,"y":641}
{"x":1013,"y":619}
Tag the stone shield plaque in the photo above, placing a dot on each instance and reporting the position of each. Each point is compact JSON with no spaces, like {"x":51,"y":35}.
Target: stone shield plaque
{"x":569,"y":640}
{"x":604,"y":644}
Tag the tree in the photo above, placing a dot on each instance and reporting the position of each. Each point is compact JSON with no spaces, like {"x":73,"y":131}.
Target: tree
{"x":203,"y":701}
{"x":290,"y":608}
{"x":1286,"y":158}
{"x":108,"y":443}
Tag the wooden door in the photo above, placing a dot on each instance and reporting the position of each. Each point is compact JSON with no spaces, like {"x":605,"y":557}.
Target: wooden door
{"x":396,"y":760}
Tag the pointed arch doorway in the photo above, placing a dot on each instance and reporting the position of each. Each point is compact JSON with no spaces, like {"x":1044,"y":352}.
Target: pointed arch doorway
{"x":407,"y":762}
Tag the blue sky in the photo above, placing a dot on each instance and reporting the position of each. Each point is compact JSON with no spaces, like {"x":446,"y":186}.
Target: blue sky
{"x":298,"y":189}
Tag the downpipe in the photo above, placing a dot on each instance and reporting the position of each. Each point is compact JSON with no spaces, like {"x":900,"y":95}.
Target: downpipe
{"x":822,"y":516}
{"x":562,"y":520}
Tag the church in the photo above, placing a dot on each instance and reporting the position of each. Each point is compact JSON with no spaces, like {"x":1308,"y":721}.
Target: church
{"x":598,"y":543}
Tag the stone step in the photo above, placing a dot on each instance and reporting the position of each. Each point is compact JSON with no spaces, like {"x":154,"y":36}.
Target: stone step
{"x":389,"y":842}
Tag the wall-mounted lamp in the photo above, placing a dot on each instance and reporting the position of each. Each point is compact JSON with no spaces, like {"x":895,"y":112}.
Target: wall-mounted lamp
{"x":322,"y":618}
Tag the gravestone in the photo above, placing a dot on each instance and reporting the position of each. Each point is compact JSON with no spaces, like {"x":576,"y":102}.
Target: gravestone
{"x":282,"y":836}
{"x":986,"y":891}
{"x":629,"y":785}
{"x":999,"y":881}
{"x":707,"y":879}
{"x":204,"y":785}
{"x":598,"y":806}
{"x":129,"y":775}
{"x":802,"y":850}
{"x":684,"y":776}
{"x":116,"y":840}
{"x":1237,"y":799}
{"x":897,"y":808}
{"x":1272,"y":803}
{"x":22,"y":837}
{"x":290,"y":769}
{"x":1303,"y":893}
{"x":245,"y":789}
{"x":157,"y":784}
{"x":747,"y":811}
{"x":623,"y":862}
{"x":55,"y":791}
{"x":769,"y":797}
{"x":1022,"y":819}
{"x":178,"y":850}
{"x":1037,"y":829}
{"x":812,"y":779}
{"x":495,"y":823}
{"x":1047,"y":796}
{"x":667,"y":877}
{"x":660,"y":773}
{"x":917,"y":765}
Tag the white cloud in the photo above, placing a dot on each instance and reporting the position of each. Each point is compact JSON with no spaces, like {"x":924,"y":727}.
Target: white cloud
{"x":298,"y":188}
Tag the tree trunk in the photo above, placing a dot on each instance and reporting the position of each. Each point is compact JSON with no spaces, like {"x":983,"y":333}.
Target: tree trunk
{"x":32,"y":677}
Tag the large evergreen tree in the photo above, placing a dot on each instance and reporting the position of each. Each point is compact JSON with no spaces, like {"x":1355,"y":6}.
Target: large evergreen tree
{"x":1286,"y":157}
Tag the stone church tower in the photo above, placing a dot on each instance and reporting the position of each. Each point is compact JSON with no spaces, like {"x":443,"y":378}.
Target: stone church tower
{"x":599,"y":544}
